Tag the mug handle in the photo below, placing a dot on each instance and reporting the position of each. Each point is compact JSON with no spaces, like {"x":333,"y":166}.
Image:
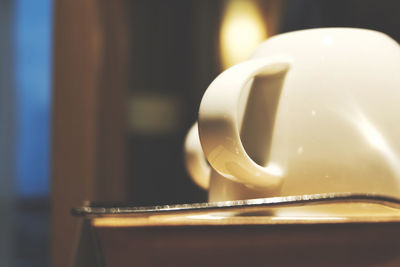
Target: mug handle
{"x":195,"y":161}
{"x":219,"y":126}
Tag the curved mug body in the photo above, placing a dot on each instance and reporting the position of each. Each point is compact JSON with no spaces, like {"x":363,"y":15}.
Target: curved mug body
{"x":312,"y":111}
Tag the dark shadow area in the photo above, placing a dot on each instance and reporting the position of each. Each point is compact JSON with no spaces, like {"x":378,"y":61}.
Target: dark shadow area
{"x":32,"y":232}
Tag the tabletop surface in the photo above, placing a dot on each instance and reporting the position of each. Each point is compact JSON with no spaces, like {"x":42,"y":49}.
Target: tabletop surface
{"x":302,"y":209}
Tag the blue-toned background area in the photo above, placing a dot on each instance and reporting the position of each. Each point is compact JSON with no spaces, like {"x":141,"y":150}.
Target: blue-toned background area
{"x":32,"y":44}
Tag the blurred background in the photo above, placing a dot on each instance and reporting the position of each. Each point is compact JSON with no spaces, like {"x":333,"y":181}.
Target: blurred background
{"x":96,"y":98}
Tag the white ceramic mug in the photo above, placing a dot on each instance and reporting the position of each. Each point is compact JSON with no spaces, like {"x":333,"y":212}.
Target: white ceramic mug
{"x":312,"y":111}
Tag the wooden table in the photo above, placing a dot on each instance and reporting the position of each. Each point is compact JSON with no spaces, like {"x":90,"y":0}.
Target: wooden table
{"x":214,"y":238}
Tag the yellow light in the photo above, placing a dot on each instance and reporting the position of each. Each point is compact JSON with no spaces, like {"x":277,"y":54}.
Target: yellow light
{"x":243,"y":28}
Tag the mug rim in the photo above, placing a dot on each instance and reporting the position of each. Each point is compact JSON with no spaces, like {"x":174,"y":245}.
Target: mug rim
{"x":326,"y":30}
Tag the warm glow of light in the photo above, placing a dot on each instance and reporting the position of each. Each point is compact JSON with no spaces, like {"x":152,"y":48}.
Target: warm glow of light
{"x":243,"y":28}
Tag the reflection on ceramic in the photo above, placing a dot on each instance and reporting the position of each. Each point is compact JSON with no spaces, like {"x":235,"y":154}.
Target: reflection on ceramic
{"x":312,"y":111}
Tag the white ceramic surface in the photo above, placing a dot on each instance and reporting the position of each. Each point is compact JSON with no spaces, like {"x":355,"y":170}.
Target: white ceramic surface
{"x":312,"y":111}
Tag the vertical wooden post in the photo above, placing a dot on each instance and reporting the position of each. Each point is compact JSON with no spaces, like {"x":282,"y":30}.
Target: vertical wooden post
{"x":88,"y":108}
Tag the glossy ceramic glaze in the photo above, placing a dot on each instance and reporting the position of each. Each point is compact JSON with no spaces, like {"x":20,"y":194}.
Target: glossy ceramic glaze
{"x":312,"y":111}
